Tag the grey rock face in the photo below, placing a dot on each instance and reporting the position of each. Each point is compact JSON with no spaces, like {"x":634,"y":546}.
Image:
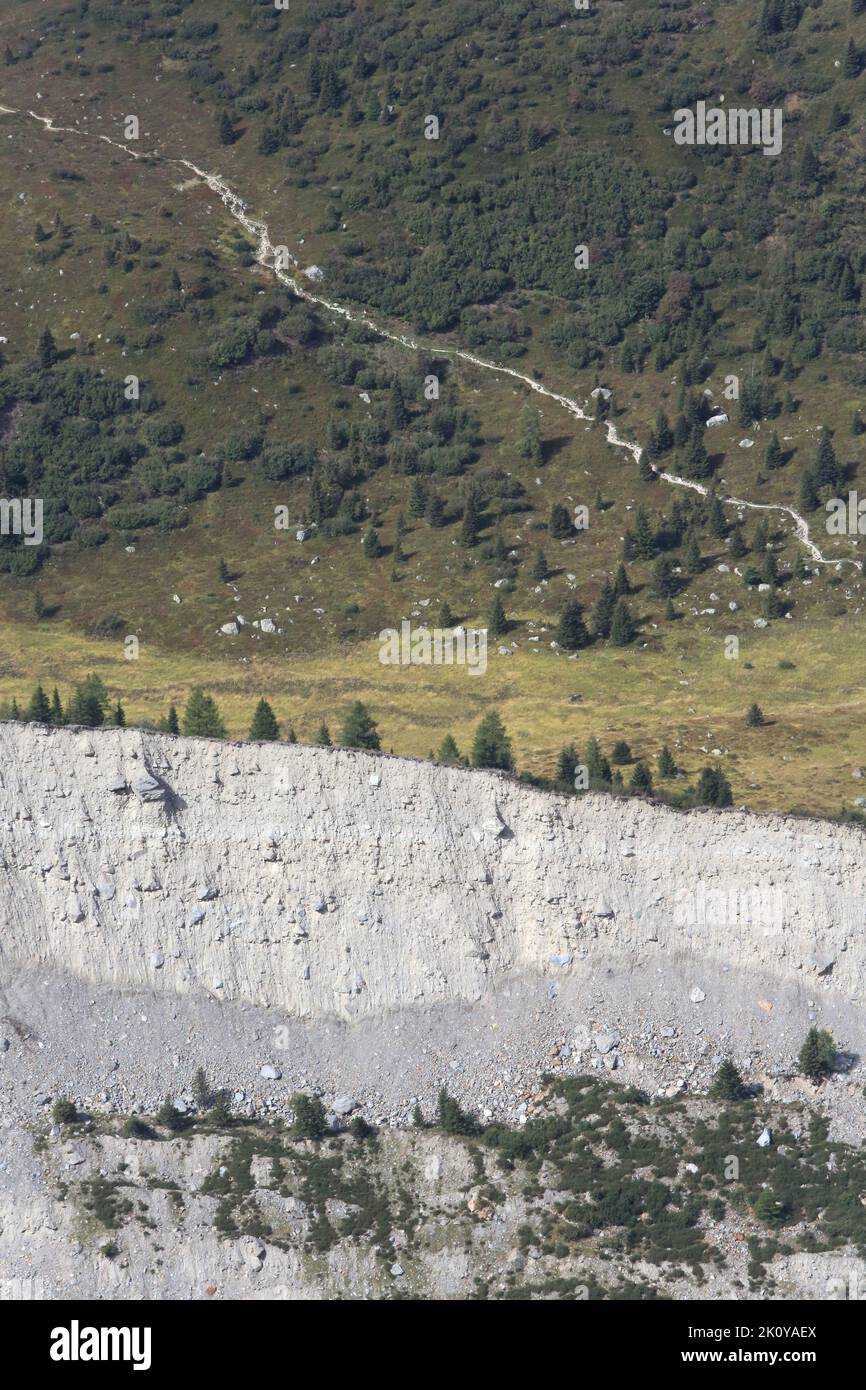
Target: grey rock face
{"x":222,"y":852}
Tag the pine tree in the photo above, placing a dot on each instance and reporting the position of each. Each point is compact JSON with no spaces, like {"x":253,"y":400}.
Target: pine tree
{"x":40,"y":607}
{"x":737,"y":547}
{"x":435,"y":513}
{"x":645,"y":471}
{"x":471,"y":523}
{"x":446,"y":617}
{"x":571,"y":630}
{"x":39,"y":710}
{"x":201,"y":1091}
{"x":727,"y":1082}
{"x":417,"y":498}
{"x":118,"y":718}
{"x":491,"y":746}
{"x":225,"y":129}
{"x":597,"y":765}
{"x":56,"y":709}
{"x":89,"y":703}
{"x":46,"y":351}
{"x":770,"y":1209}
{"x":755,"y":717}
{"x":663,"y":436}
{"x":858,"y":425}
{"x":448,"y":752}
{"x":291,"y":736}
{"x":560,"y":525}
{"x":827,"y":472}
{"x":497,"y":623}
{"x":692,"y":562}
{"x":641,"y":779}
{"x":539,"y":570}
{"x":621,"y":582}
{"x":817,"y":1055}
{"x":808,"y":498}
{"x":264,"y":728}
{"x":716,"y":522}
{"x":666,"y":764}
{"x":851,"y":63}
{"x":622,"y":628}
{"x":397,"y":416}
{"x":323,"y":737}
{"x":39,"y":233}
{"x":372,"y":545}
{"x":644,"y":536}
{"x":169,"y":1117}
{"x":665,"y":582}
{"x":602,"y":613}
{"x":201,"y":718}
{"x":670,"y":611}
{"x":220,"y":1113}
{"x":224,"y":572}
{"x":809,"y":167}
{"x":171,"y":725}
{"x":310,"y":1120}
{"x":529,"y":436}
{"x":769,"y":569}
{"x":713,"y":788}
{"x":566,"y":766}
{"x":620,"y":754}
{"x":359,"y":728}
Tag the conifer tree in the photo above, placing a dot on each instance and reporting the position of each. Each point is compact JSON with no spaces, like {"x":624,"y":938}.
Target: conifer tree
{"x":571,"y":630}
{"x":39,"y":710}
{"x":398,"y":416}
{"x":170,"y":723}
{"x":529,"y":436}
{"x":56,"y":708}
{"x":264,"y":728}
{"x":491,"y":746}
{"x":774,"y":458}
{"x":597,"y":765}
{"x":692,"y":562}
{"x":46,"y":352}
{"x":727,"y":1082}
{"x":446,"y":617}
{"x":755,"y":717}
{"x":621,"y":583}
{"x":448,"y":752}
{"x":372,"y":544}
{"x":566,"y":766}
{"x":225,"y":129}
{"x":817,"y":1055}
{"x":622,"y":628}
{"x":359,"y":728}
{"x":201,"y":718}
{"x":471,"y":523}
{"x":323,"y":737}
{"x":644,"y":535}
{"x":666,"y":764}
{"x":497,"y":623}
{"x":560,"y":525}
{"x":539,"y":571}
{"x":641,"y":779}
{"x":602,"y":613}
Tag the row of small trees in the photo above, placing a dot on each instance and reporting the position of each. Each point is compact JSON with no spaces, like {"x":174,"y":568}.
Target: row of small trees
{"x":90,"y":706}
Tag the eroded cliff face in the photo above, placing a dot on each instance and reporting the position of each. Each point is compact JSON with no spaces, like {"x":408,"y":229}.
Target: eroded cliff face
{"x":329,"y":883}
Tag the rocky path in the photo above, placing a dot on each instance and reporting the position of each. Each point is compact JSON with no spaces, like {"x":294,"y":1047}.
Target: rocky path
{"x":270,"y":256}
